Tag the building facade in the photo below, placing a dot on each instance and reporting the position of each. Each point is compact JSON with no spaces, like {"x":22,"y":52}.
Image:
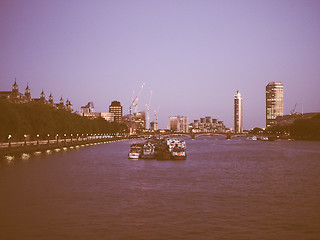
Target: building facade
{"x":16,"y":97}
{"x":178,"y":124}
{"x":135,"y":122}
{"x":238,"y":112}
{"x":274,"y":102}
{"x":154,"y":126}
{"x":207,"y":125}
{"x":109,"y":117}
{"x":116,"y":109}
{"x":89,"y":108}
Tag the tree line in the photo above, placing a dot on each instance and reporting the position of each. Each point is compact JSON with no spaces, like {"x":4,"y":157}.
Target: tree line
{"x":300,"y":129}
{"x":34,"y":119}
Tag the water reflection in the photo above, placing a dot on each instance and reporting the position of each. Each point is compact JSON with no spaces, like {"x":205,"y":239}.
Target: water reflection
{"x":25,"y":156}
{"x":9,"y":159}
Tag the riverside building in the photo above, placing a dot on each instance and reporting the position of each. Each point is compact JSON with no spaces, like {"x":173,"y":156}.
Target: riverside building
{"x":89,"y":108}
{"x":16,"y":97}
{"x":178,"y":124}
{"x":237,"y":112}
{"x":116,"y":109}
{"x":274,"y":102}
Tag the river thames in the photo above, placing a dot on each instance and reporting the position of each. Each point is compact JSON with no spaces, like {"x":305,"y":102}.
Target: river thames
{"x":226,"y":189}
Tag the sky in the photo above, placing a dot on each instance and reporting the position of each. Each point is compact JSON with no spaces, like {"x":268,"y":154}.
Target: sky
{"x":193,"y":55}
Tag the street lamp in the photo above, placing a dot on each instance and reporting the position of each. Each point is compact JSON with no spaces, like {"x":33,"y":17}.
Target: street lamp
{"x":71,"y":137}
{"x":9,"y":140}
{"x":37,"y":139}
{"x":48,"y":138}
{"x":57,"y":138}
{"x":25,"y":140}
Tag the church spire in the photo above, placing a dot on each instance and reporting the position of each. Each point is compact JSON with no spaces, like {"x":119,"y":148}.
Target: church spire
{"x":15,"y":90}
{"x":27,"y":92}
{"x":15,"y":85}
{"x":51,"y":99}
{"x":42,"y":96}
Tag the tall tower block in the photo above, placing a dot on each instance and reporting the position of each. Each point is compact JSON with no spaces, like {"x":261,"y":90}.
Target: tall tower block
{"x":238,"y":112}
{"x":274,"y":102}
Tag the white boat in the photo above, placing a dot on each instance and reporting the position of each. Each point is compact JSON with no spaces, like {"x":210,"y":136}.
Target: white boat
{"x":253,"y":138}
{"x":173,"y":143}
{"x":135,"y":151}
{"x":177,"y":148}
{"x":179,"y":153}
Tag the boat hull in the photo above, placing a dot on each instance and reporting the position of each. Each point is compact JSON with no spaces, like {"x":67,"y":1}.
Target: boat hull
{"x":163,"y":155}
{"x":179,"y":155}
{"x":133,"y":155}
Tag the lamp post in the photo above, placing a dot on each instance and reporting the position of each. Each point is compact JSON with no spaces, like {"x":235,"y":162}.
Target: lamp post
{"x":57,"y":138}
{"x":71,"y":137}
{"x":65,"y":139}
{"x":25,"y":140}
{"x":48,"y":139}
{"x":9,"y":140}
{"x":37,"y":139}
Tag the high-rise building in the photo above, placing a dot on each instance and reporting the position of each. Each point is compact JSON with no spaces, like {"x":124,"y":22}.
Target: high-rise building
{"x":195,"y":124}
{"x":179,"y":124}
{"x":208,"y":120}
{"x":116,"y":109}
{"x":154,"y":126}
{"x":274,"y":102}
{"x":237,"y":112}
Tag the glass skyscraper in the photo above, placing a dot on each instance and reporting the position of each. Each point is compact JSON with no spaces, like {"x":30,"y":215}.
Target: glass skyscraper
{"x":274,"y":102}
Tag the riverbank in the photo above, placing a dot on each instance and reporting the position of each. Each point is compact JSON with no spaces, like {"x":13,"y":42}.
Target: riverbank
{"x":31,"y":148}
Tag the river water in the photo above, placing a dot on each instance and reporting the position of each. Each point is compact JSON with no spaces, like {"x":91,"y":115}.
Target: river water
{"x":226,"y":189}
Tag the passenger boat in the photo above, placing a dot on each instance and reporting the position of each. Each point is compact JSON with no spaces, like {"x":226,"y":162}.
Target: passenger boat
{"x":264,"y":138}
{"x":148,"y":151}
{"x":161,"y":149}
{"x":179,"y":153}
{"x":267,"y":138}
{"x":135,"y":151}
{"x":253,"y":138}
{"x":177,"y":148}
{"x":173,"y":142}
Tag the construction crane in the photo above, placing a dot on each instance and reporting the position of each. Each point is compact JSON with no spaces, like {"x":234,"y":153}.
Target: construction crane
{"x":156,"y":115}
{"x":294,"y":109}
{"x":148,"y":110}
{"x":135,"y":101}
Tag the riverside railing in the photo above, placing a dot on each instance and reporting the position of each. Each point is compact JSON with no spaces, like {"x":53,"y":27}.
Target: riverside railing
{"x":48,"y":139}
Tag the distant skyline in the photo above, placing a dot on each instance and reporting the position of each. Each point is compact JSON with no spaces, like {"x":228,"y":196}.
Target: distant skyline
{"x":193,"y":55}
